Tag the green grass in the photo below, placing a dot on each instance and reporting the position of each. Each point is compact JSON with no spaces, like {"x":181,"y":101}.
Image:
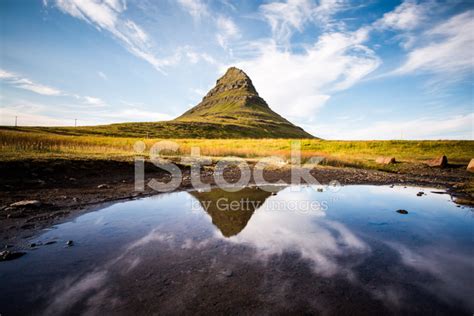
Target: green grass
{"x":31,"y":143}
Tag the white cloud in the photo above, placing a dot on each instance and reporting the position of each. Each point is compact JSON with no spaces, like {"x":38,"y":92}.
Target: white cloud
{"x":447,"y":50}
{"x":27,"y":84}
{"x":21,"y":82}
{"x":297,"y":85}
{"x":406,"y":16}
{"x":196,"y":8}
{"x":226,"y":30}
{"x":286,"y":17}
{"x":454,"y":127}
{"x":106,"y":15}
{"x":102,"y":75}
{"x":93,"y":101}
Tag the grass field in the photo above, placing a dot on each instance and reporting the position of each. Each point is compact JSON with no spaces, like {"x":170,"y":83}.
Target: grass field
{"x":34,"y":144}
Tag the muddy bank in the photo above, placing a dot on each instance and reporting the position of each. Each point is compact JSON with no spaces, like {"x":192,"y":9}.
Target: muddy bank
{"x":66,"y":188}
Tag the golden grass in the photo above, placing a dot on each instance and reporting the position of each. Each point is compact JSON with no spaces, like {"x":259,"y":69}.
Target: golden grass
{"x":16,"y":145}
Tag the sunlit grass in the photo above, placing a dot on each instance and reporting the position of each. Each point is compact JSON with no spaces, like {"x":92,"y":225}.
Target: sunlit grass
{"x":16,"y":145}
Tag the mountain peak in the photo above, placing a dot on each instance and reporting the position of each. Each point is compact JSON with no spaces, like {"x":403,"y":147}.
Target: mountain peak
{"x":235,"y":80}
{"x":235,"y":103}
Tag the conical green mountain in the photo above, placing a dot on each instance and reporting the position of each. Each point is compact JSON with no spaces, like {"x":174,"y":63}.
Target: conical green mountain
{"x":232,"y":109}
{"x":234,"y":103}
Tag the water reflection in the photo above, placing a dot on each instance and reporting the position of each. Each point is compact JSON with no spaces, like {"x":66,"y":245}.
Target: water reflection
{"x":231,"y":211}
{"x":293,"y":252}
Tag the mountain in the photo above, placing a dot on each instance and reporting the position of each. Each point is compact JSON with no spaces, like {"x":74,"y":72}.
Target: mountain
{"x":232,"y":109}
{"x":234,"y":102}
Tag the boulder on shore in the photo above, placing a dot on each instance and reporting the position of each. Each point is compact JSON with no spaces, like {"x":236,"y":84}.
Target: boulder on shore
{"x":439,"y":162}
{"x":385,"y":160}
{"x":470,"y":166}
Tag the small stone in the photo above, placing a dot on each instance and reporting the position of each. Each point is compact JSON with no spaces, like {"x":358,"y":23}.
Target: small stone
{"x":420,"y":193}
{"x":50,"y":242}
{"x":26,"y":203}
{"x":72,"y":179}
{"x":33,"y":245}
{"x":70,"y":243}
{"x":274,"y":193}
{"x":102,"y":186}
{"x":402,"y":212}
{"x":385,"y":160}
{"x":227,"y":273}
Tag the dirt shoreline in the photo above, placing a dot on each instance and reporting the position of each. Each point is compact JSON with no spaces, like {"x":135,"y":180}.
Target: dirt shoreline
{"x":67,"y":188}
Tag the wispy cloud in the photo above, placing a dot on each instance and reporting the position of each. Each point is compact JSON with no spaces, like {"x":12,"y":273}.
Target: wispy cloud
{"x":292,"y":15}
{"x":298,"y":84}
{"x":196,"y":8}
{"x":445,"y":49}
{"x":226,"y":30}
{"x":22,"y":82}
{"x":407,"y":16}
{"x":107,"y":15}
{"x":27,"y":84}
{"x":102,"y":75}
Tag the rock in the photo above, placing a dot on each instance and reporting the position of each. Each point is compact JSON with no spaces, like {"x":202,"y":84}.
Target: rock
{"x":470,"y":167}
{"x":50,"y":243}
{"x":103,"y":186}
{"x":26,"y":203}
{"x":72,"y":179}
{"x":33,"y":245}
{"x":10,"y":255}
{"x":420,"y":193}
{"x":70,"y":243}
{"x":227,"y":273}
{"x":385,"y":160}
{"x":439,"y":162}
{"x":402,"y":212}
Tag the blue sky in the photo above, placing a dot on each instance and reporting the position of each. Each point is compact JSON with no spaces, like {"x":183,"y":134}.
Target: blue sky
{"x":340,"y":69}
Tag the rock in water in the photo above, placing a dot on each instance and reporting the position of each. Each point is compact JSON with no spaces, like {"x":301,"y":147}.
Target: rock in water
{"x":404,"y":212}
{"x":10,"y":255}
{"x":470,"y":167}
{"x":439,"y":162}
{"x":385,"y":160}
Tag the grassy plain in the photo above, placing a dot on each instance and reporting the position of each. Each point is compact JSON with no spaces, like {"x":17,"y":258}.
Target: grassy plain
{"x":34,"y":143}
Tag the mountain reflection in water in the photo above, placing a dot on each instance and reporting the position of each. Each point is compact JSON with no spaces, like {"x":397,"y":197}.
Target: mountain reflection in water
{"x":349,"y":252}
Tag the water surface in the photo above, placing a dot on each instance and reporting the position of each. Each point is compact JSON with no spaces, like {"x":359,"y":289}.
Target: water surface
{"x":296,"y":251}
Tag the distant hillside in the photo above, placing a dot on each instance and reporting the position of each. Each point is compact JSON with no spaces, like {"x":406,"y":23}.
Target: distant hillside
{"x":232,"y":109}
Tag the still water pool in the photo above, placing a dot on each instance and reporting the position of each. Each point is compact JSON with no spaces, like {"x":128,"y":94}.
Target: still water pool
{"x":298,"y":250}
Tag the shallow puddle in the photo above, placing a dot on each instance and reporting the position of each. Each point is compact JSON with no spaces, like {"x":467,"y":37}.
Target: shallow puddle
{"x":298,"y":250}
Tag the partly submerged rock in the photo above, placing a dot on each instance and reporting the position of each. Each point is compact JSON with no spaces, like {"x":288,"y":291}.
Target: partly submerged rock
{"x":439,"y":162}
{"x":402,"y":212}
{"x":103,"y":186}
{"x":10,"y":255}
{"x":385,"y":160}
